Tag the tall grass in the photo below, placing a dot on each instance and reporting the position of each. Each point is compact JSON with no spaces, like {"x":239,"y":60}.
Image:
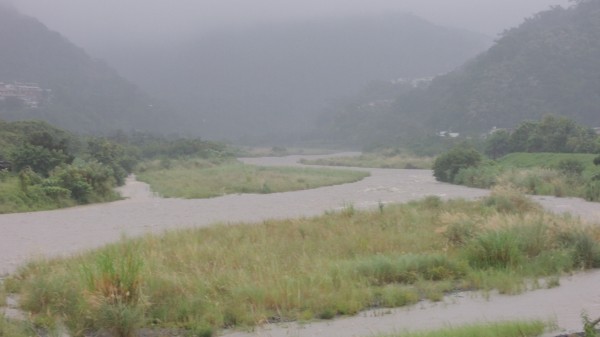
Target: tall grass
{"x":187,"y":180}
{"x":113,"y":295}
{"x":14,"y":329}
{"x":504,"y":329}
{"x":557,"y":174}
{"x":335,"y":264}
{"x":376,"y":160}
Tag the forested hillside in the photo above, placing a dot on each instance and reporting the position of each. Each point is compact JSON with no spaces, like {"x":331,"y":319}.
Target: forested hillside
{"x":79,"y":93}
{"x":546,"y":66}
{"x":273,"y":80}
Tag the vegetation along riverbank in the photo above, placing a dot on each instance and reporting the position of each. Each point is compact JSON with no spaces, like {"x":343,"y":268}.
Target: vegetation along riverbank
{"x":322,"y":267}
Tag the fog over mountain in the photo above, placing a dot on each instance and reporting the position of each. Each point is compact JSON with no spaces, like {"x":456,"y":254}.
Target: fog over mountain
{"x":234,"y":65}
{"x":94,"y":23}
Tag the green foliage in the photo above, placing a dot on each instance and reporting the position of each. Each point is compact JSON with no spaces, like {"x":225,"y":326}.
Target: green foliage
{"x":112,"y":156}
{"x":592,"y":191}
{"x":498,"y":144}
{"x":39,"y":159}
{"x":145,"y":145}
{"x":447,"y":165}
{"x":53,"y":169}
{"x":545,"y":66}
{"x":571,"y":167}
{"x":553,"y":134}
{"x":338,"y":263}
{"x":509,"y":200}
{"x":589,"y":326}
{"x":14,"y":329}
{"x":379,"y":159}
{"x":114,"y":298}
{"x":87,"y":181}
{"x":211,"y":178}
{"x":504,"y":329}
{"x":407,"y":269}
{"x":558,"y":174}
{"x":585,"y":250}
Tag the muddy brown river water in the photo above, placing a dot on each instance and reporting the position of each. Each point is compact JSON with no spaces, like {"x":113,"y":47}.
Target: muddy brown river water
{"x":61,"y":232}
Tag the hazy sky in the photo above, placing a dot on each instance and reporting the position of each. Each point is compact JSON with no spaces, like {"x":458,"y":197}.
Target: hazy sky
{"x":87,"y":22}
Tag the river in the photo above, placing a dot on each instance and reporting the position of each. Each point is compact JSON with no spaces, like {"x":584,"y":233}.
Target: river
{"x":24,"y":236}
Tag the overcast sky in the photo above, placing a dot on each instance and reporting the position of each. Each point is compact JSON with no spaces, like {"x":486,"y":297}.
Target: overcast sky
{"x":88,"y":22}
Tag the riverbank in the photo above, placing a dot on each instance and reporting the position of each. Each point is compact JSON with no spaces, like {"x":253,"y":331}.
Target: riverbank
{"x":78,"y":229}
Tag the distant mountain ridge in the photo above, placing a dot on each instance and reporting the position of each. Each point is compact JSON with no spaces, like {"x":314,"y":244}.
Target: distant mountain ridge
{"x":272,"y":81}
{"x":84,"y":95}
{"x":546,"y":66}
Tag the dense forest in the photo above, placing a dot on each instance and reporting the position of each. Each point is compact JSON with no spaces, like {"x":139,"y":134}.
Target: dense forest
{"x":546,"y":66}
{"x":80,"y":93}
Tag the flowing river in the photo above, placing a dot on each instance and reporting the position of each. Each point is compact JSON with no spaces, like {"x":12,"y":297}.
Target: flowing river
{"x":25,"y":236}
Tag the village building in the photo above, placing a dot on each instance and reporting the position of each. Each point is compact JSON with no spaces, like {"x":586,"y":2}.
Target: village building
{"x":30,"y":93}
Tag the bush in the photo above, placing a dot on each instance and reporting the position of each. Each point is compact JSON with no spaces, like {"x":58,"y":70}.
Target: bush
{"x":87,"y":182}
{"x":571,"y":167}
{"x":592,"y":191}
{"x":482,"y":176}
{"x":506,"y":199}
{"x":447,"y":166}
{"x":585,"y":250}
{"x":40,"y":159}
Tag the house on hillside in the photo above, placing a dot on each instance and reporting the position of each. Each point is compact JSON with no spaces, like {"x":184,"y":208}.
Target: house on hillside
{"x":30,"y":93}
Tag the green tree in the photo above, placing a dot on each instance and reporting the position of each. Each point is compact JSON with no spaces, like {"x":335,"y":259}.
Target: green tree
{"x":498,"y":144}
{"x":40,"y":159}
{"x":113,"y":156}
{"x":449,"y":164}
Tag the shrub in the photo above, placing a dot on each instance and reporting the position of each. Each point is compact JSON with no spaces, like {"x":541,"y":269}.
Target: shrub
{"x":482,"y":176}
{"x":507,"y":199}
{"x":40,"y":159}
{"x":585,"y":250}
{"x":449,"y":164}
{"x":592,"y":191}
{"x":495,"y":249}
{"x":570,"y":167}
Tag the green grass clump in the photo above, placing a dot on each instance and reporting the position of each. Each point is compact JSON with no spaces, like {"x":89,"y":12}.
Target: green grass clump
{"x":10,"y":328}
{"x":546,"y":160}
{"x":335,"y":264}
{"x":504,"y":329}
{"x":187,"y":180}
{"x":376,"y":160}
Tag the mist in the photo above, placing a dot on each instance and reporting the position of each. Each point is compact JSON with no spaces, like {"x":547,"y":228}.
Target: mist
{"x":96,"y":24}
{"x":243,"y":70}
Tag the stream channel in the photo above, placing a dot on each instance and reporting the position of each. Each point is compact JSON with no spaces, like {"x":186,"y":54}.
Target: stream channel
{"x":24,"y":236}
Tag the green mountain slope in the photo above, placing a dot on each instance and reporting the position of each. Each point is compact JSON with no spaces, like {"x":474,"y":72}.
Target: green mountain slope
{"x":81,"y":94}
{"x":546,"y":66}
